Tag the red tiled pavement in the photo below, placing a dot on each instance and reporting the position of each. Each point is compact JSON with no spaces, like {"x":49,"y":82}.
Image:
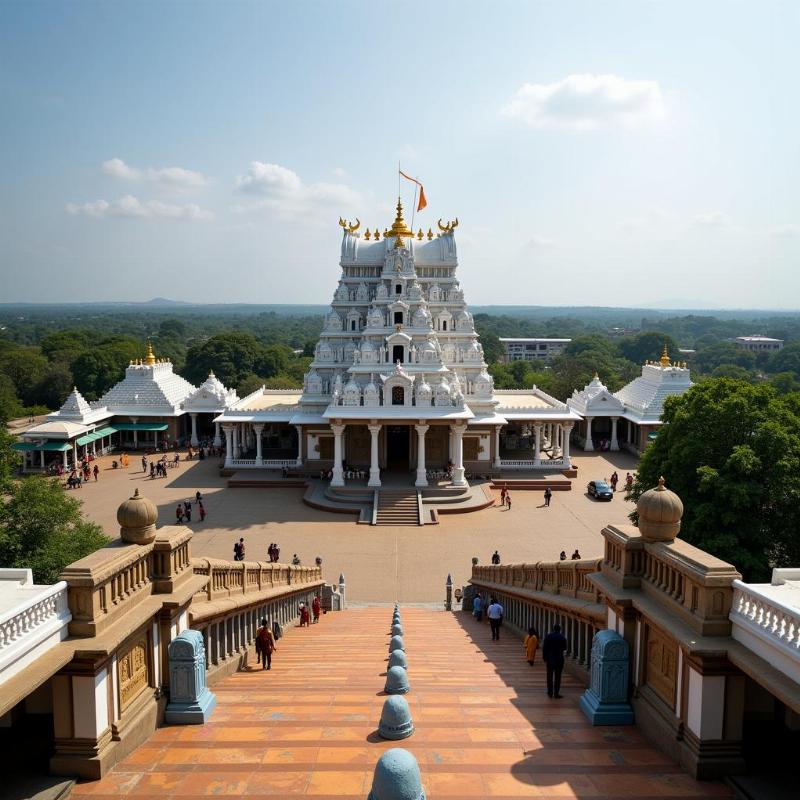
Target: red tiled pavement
{"x":484,"y":725}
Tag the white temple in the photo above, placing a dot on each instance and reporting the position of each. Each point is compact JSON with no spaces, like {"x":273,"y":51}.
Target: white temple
{"x":398,"y":379}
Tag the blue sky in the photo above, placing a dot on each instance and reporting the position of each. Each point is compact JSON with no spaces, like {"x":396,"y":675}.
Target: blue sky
{"x":595,"y":153}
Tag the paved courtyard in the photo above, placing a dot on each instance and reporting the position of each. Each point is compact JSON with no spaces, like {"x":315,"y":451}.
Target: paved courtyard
{"x":380,"y":564}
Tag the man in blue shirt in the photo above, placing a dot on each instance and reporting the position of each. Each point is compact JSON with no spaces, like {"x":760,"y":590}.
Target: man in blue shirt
{"x":495,"y":614}
{"x":477,"y":608}
{"x":553,"y":648}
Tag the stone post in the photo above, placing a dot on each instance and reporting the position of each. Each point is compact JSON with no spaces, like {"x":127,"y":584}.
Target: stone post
{"x":448,"y":593}
{"x":259,"y":457}
{"x":41,"y":459}
{"x":64,"y":459}
{"x":497,"y":460}
{"x":190,"y":701}
{"x":588,"y":446}
{"x":193,"y":441}
{"x":299,"y":462}
{"x":422,"y":476}
{"x":537,"y":444}
{"x":605,"y":702}
{"x":217,"y":438}
{"x":458,"y":448}
{"x":134,"y":420}
{"x":342,"y":587}
{"x":614,"y":442}
{"x":338,"y":474}
{"x":374,"y":465}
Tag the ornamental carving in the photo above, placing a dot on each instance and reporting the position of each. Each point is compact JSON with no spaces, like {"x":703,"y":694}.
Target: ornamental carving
{"x":133,"y":674}
{"x":661,"y":664}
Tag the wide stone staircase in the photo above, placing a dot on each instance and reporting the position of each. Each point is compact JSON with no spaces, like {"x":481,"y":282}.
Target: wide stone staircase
{"x":397,"y":507}
{"x":485,"y":727}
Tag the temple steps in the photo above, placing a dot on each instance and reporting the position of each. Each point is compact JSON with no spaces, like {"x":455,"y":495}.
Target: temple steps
{"x":397,"y":507}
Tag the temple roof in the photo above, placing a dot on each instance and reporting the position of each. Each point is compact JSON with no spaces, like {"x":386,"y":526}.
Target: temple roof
{"x":643,"y":398}
{"x":149,"y":389}
{"x":595,"y":400}
{"x":211,"y":395}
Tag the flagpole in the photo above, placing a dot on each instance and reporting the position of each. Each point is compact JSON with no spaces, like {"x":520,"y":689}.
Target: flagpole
{"x":414,"y":207}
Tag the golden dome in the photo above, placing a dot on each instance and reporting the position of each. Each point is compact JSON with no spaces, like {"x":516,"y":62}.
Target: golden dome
{"x":660,"y":512}
{"x":150,"y":359}
{"x":665,"y":357}
{"x":399,"y":227}
{"x":137,"y":518}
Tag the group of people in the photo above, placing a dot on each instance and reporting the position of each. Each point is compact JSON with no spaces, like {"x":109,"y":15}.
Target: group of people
{"x":554,"y":645}
{"x":273,"y":552}
{"x":158,"y":469}
{"x":184,"y":509}
{"x":576,"y":555}
{"x":267,"y":635}
{"x":316,"y":608}
{"x":77,"y":477}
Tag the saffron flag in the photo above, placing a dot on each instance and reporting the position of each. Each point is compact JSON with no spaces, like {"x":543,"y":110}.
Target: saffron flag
{"x":422,"y":201}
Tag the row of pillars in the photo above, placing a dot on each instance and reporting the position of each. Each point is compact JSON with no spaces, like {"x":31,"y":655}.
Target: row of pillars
{"x":456,"y":454}
{"x":236,"y":435}
{"x":588,"y":446}
{"x":194,"y":441}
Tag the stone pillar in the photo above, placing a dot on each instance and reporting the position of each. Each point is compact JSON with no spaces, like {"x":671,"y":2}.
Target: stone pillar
{"x":422,"y":476}
{"x":217,"y":438}
{"x":537,"y":444}
{"x":342,"y":587}
{"x":134,"y":420}
{"x":458,"y":448}
{"x":299,"y":461}
{"x":75,"y":454}
{"x":448,"y":593}
{"x":565,"y":449}
{"x":605,"y":702}
{"x":259,"y":458}
{"x":194,"y":440}
{"x":338,"y":474}
{"x":228,"y":445}
{"x":588,"y":446}
{"x":374,"y":465}
{"x":190,"y":701}
{"x":64,"y":457}
{"x":41,"y":459}
{"x":614,"y":442}
{"x":497,"y":460}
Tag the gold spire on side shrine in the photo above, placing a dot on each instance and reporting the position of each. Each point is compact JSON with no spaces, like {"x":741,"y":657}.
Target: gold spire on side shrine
{"x":399,"y":227}
{"x":665,"y":362}
{"x":150,"y":359}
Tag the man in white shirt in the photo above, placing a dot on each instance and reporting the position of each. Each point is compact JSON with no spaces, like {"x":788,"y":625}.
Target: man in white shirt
{"x":495,"y":614}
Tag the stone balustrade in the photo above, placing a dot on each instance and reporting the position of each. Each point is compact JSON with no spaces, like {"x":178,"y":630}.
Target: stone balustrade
{"x":30,"y":627}
{"x":767,"y":625}
{"x":543,"y":594}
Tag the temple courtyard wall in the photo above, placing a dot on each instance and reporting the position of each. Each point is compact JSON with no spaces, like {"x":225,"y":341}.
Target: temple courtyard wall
{"x":380,"y":563}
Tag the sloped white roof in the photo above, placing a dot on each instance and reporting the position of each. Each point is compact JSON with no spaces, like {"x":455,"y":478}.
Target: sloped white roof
{"x":148,"y":389}
{"x":77,"y":410}
{"x":643,"y":398}
{"x":211,"y":395}
{"x":55,"y":430}
{"x":595,"y":400}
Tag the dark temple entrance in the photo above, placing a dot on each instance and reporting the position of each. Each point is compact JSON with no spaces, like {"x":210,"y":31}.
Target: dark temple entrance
{"x":397,"y":446}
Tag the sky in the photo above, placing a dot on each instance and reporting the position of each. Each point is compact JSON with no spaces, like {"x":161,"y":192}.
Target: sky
{"x":595,"y":152}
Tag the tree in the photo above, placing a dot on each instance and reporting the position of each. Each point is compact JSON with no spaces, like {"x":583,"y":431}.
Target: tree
{"x":26,"y":367}
{"x":785,"y":360}
{"x":647,"y":347}
{"x":10,"y":406}
{"x":709,"y":358}
{"x":232,"y":356}
{"x":731,"y":451}
{"x":9,"y":461}
{"x":732,"y":371}
{"x":41,"y":528}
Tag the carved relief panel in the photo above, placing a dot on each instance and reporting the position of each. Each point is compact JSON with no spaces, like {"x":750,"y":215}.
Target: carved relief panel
{"x":661,"y":664}
{"x":133,"y":671}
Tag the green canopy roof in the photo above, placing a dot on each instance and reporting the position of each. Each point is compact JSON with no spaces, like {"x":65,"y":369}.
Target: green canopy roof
{"x":59,"y":447}
{"x":95,"y":435}
{"x":140,"y":426}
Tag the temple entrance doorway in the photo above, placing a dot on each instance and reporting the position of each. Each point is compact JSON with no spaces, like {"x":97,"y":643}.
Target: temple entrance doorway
{"x":397,"y":447}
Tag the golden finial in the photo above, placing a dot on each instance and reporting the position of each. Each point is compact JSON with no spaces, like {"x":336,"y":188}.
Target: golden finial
{"x":385,"y":232}
{"x":211,"y":373}
{"x":399,"y":227}
{"x":377,"y":234}
{"x":596,"y":376}
{"x":150,"y":359}
{"x":420,"y":234}
{"x":665,"y":357}
{"x":367,"y":235}
{"x":430,"y":234}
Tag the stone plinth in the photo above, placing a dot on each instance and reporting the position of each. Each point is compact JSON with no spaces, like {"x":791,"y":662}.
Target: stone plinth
{"x":190,"y":701}
{"x":605,"y":702}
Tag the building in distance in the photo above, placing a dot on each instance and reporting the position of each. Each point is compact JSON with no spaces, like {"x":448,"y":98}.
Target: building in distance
{"x":532,"y":349}
{"x":759,"y":344}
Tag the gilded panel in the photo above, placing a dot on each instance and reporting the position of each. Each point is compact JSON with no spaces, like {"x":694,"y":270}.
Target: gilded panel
{"x":133,"y":673}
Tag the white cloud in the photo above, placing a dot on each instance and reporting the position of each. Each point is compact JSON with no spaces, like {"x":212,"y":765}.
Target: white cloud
{"x":176,"y":177}
{"x":785,"y":231}
{"x":538,"y":243}
{"x":587,"y":101}
{"x":339,"y":172}
{"x":282,"y":190}
{"x":132,"y":207}
{"x":712,"y":219}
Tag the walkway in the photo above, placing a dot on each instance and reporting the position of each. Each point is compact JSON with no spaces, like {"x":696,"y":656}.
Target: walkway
{"x":485,"y":727}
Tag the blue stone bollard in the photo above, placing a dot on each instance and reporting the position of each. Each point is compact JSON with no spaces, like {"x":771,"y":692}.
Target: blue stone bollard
{"x":397,"y":643}
{"x":396,"y":722}
{"x":397,"y":630}
{"x":605,"y":702}
{"x":397,"y":777}
{"x":397,"y":658}
{"x":190,"y":701}
{"x":396,"y":681}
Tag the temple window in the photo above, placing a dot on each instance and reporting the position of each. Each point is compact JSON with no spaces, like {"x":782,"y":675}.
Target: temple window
{"x":397,"y":354}
{"x":398,"y":289}
{"x":398,"y":395}
{"x":398,"y":317}
{"x":444,"y":324}
{"x":352,"y":324}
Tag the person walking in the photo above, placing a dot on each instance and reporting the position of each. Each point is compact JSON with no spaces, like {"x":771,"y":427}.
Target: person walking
{"x":614,"y":481}
{"x":265,"y":644}
{"x":144,"y":463}
{"x":553,"y":648}
{"x":495,"y":614}
{"x":96,"y":472}
{"x":187,"y":510}
{"x":495,"y":558}
{"x":503,"y":493}
{"x":477,"y":607}
{"x":238,"y":550}
{"x":202,"y":510}
{"x":316,"y":607}
{"x":198,"y":498}
{"x":508,"y":500}
{"x":531,"y":645}
{"x":179,"y":514}
{"x":547,"y":495}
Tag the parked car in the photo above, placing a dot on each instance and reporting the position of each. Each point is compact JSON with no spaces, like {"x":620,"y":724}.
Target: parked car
{"x":600,"y":490}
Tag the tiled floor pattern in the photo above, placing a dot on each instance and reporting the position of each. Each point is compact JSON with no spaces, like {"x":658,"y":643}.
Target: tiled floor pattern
{"x":484,"y":725}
